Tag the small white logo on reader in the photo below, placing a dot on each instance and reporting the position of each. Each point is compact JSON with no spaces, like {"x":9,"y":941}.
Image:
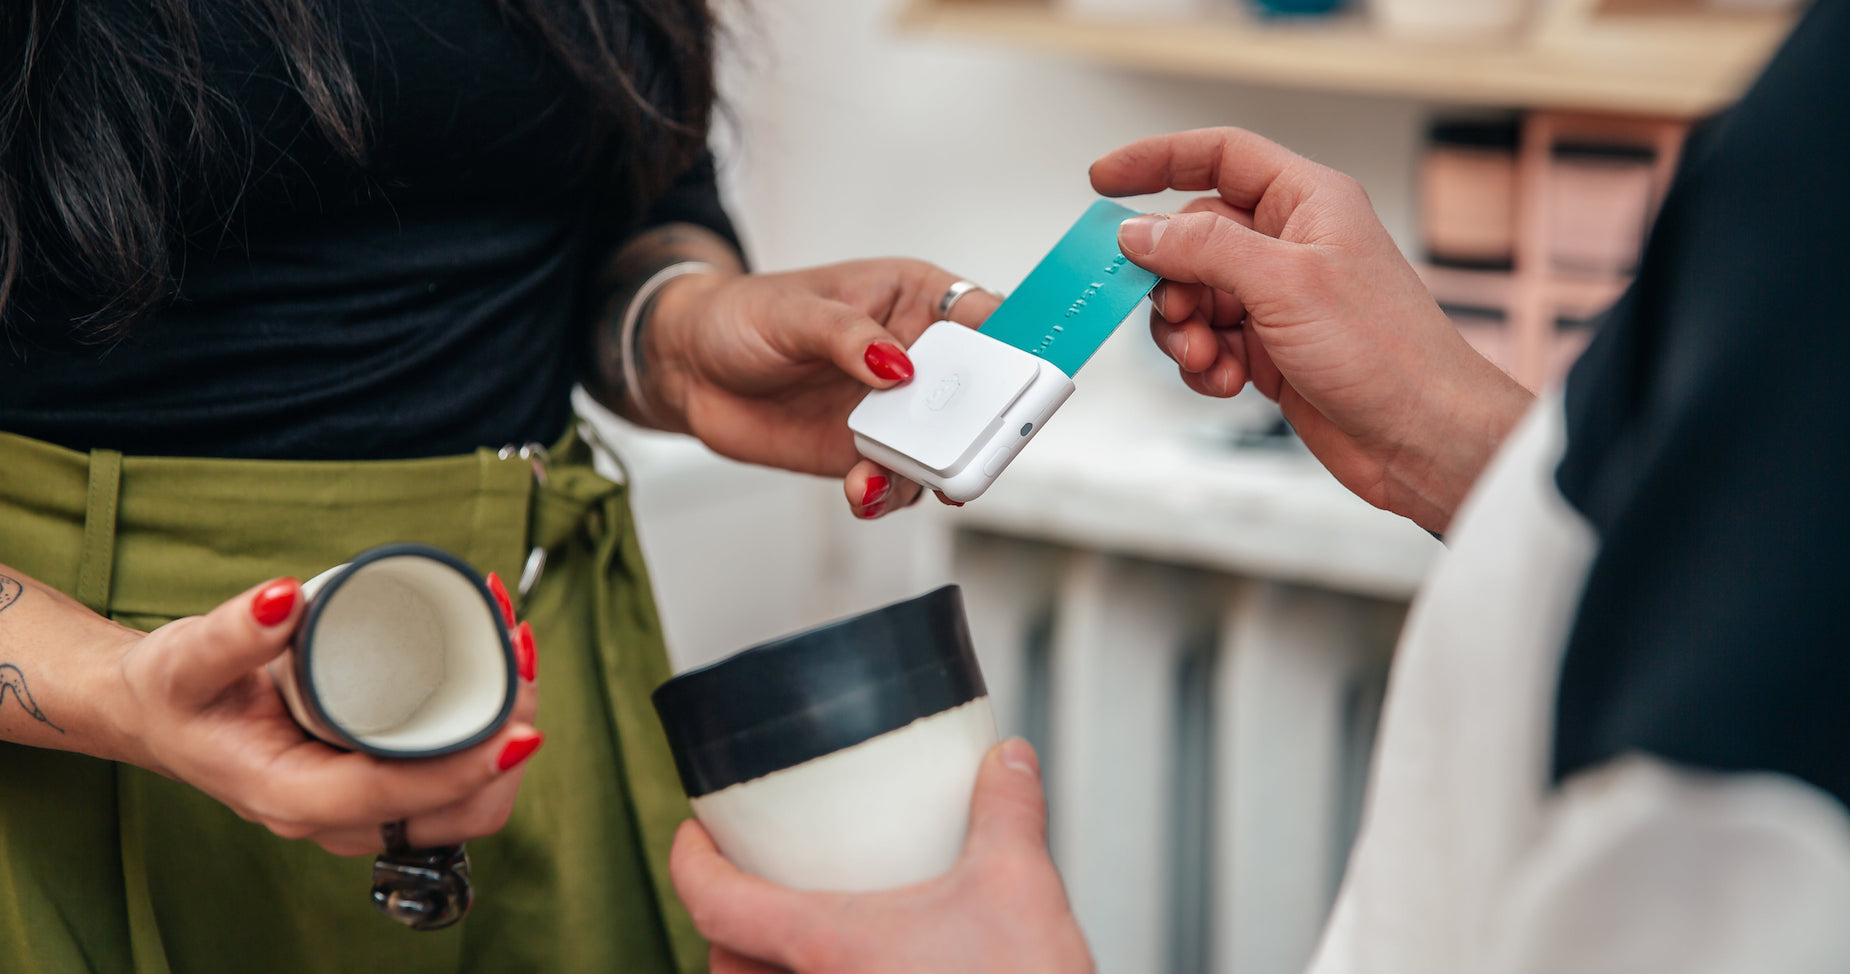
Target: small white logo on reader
{"x":942,"y":394}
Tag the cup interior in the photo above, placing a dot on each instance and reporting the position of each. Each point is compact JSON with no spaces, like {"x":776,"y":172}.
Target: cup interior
{"x":406,"y":654}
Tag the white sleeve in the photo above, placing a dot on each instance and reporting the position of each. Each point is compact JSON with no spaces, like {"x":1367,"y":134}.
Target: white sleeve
{"x":1639,"y":866}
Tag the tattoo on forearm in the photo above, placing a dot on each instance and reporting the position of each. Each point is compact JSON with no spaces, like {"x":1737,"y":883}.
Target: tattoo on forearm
{"x":12,"y":677}
{"x":623,"y":275}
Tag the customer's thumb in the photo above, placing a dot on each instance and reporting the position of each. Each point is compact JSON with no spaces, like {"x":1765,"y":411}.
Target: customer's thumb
{"x":1200,"y":247}
{"x":1008,"y":812}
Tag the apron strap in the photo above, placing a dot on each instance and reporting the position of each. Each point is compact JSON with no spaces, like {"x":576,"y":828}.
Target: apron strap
{"x":97,"y":559}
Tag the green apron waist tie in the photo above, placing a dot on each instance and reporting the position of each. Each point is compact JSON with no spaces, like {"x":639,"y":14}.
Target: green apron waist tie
{"x":171,"y":536}
{"x":147,"y":539}
{"x":577,"y":500}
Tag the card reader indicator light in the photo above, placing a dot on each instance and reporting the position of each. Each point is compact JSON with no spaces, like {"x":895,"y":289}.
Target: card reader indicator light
{"x":1027,"y":428}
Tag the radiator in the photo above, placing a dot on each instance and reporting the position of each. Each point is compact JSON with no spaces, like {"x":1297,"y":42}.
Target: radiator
{"x":1205,"y":739}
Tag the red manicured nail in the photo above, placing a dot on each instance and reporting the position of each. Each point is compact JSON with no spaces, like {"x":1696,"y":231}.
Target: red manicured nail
{"x":526,"y":657}
{"x":869,"y":513}
{"x":888,"y":362}
{"x":519,"y":749}
{"x":273,"y":603}
{"x":499,"y":591}
{"x":877,"y":487}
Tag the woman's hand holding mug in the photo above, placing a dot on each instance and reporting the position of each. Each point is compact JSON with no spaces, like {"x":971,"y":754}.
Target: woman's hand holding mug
{"x":195,"y":702}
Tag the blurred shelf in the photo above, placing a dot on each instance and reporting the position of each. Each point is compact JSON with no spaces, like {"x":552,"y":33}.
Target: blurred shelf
{"x":1645,"y":57}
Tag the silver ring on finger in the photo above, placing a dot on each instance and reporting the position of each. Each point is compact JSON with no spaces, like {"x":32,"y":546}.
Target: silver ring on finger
{"x":953,"y":294}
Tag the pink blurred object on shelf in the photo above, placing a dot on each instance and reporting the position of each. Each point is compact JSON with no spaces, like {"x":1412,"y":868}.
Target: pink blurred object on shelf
{"x":1599,"y":205}
{"x":1585,"y":187}
{"x":1468,"y":194}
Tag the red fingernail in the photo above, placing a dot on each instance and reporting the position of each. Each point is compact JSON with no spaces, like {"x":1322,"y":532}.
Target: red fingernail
{"x":869,"y":513}
{"x":888,"y":362}
{"x":273,"y":603}
{"x":499,"y":591}
{"x":519,"y":749}
{"x":526,"y":658}
{"x":877,"y":487}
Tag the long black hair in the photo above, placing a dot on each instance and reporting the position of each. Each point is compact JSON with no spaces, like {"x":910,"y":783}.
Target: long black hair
{"x":105,"y":109}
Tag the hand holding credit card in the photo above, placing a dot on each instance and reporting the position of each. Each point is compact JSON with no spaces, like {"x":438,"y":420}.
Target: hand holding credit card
{"x":977,"y":397}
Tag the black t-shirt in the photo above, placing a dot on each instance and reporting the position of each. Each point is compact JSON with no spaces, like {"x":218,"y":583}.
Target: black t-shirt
{"x":1709,"y":447}
{"x":424,"y":304}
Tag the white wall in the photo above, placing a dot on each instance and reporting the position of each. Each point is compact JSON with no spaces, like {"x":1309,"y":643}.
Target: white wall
{"x":857,"y":140}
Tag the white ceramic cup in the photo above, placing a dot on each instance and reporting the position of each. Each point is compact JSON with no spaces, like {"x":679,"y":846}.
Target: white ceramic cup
{"x":842,"y":758}
{"x":401,"y":653}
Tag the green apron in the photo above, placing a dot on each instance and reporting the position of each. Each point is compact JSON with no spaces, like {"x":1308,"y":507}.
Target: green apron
{"x":106,"y":867}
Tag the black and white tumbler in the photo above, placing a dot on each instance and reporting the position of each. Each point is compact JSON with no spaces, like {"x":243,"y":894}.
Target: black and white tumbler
{"x":841,"y":758}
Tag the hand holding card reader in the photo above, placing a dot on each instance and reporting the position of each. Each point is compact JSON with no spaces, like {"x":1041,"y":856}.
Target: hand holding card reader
{"x":977,"y":397}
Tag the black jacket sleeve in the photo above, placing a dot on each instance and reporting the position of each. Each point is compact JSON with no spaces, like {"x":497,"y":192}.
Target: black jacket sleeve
{"x":1709,"y":446}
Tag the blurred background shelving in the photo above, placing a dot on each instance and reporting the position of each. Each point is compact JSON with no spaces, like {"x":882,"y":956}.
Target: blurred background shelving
{"x":1655,"y":57}
{"x":1573,"y":196}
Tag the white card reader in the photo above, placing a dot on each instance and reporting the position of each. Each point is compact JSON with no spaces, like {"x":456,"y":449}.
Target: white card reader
{"x":973,"y":402}
{"x":977,"y":397}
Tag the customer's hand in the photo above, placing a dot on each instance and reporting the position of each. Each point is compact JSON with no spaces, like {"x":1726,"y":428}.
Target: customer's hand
{"x":1287,"y":280}
{"x":1002,"y":909}
{"x":765,"y":368}
{"x":196,"y":703}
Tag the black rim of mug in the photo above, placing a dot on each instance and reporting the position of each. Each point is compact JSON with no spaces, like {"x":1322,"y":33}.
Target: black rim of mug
{"x":304,"y":642}
{"x":822,"y":690}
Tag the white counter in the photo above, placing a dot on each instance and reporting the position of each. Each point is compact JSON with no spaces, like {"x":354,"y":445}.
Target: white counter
{"x":1131,"y":474}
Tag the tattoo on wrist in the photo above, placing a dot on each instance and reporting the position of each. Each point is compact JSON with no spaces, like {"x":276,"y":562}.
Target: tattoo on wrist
{"x":12,"y":677}
{"x":617,"y":286}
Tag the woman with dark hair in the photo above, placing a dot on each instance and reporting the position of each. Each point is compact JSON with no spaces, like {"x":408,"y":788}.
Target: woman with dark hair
{"x":281,"y":280}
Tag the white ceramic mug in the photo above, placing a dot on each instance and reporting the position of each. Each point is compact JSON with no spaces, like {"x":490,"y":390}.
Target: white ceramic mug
{"x":401,"y":653}
{"x":842,"y":758}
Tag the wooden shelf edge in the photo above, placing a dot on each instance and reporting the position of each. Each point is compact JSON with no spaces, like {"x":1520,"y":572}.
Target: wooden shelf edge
{"x":1621,"y":64}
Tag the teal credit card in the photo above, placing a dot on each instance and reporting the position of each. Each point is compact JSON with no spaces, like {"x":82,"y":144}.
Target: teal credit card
{"x":1077,"y":295}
